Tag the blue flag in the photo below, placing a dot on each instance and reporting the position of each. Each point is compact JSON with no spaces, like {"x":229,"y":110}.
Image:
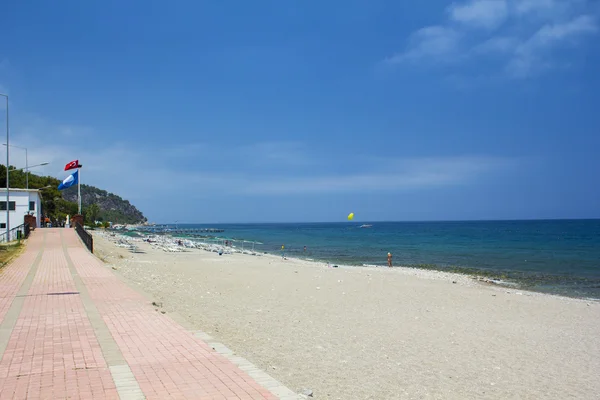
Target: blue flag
{"x":69,"y":181}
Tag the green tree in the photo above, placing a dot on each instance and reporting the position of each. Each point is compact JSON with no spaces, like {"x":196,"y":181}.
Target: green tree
{"x":63,"y":208}
{"x":57,"y":204}
{"x":91,"y":213}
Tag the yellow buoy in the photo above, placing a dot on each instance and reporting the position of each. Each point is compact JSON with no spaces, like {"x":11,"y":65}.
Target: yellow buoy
{"x":350,"y":216}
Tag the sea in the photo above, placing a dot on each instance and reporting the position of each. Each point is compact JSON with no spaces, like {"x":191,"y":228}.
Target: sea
{"x":553,"y":256}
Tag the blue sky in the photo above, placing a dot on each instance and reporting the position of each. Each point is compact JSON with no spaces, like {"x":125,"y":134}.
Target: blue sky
{"x":237,"y":111}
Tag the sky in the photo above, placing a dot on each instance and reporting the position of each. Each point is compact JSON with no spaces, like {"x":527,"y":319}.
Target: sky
{"x":297,"y":111}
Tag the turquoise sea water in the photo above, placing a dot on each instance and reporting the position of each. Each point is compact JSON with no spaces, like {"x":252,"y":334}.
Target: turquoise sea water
{"x":558,"y":256}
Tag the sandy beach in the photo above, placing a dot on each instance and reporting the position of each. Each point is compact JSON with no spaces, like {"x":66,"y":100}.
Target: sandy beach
{"x":375,"y":333}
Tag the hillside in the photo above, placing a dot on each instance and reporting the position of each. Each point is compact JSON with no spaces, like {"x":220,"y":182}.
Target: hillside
{"x":112,"y":207}
{"x":57,"y":204}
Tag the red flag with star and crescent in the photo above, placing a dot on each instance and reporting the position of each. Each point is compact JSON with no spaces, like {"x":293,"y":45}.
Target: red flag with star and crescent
{"x":72,"y":165}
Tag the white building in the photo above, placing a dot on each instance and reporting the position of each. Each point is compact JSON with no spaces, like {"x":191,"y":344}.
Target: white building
{"x":22,"y":202}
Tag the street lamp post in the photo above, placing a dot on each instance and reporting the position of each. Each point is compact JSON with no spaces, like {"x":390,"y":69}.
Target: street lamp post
{"x":41,"y":211}
{"x":31,"y":166}
{"x":26,"y":162}
{"x":27,"y":169}
{"x":7,"y":174}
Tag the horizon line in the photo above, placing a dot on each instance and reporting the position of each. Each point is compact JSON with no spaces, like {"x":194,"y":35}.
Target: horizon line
{"x":379,"y":221}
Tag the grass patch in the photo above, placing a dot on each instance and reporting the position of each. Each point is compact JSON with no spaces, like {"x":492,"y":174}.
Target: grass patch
{"x":8,"y":252}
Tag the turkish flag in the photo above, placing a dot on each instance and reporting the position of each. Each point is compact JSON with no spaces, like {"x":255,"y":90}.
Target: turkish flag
{"x":72,"y":165}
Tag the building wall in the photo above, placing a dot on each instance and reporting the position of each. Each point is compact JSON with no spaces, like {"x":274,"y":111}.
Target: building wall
{"x":34,"y":196}
{"x":21,"y":199}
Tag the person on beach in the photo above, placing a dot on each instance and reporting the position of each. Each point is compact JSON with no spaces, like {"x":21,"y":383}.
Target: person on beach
{"x":283,"y":251}
{"x":390,"y":260}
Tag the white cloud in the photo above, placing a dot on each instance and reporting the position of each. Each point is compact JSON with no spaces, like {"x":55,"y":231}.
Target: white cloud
{"x":551,"y":33}
{"x":527,"y":6}
{"x":496,"y":45}
{"x":529,"y":32}
{"x":548,"y":9}
{"x":143,"y":175}
{"x":398,"y":174}
{"x":529,"y":56}
{"x":74,"y":132}
{"x":487,"y":14}
{"x":136,"y":173}
{"x":433,"y":42}
{"x":282,"y":153}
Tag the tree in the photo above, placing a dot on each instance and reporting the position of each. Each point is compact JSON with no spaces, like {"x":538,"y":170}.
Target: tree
{"x":57,"y":204}
{"x":91,"y":213}
{"x":63,"y":208}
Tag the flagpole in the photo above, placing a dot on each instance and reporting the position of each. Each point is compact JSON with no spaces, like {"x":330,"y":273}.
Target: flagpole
{"x":79,"y":190}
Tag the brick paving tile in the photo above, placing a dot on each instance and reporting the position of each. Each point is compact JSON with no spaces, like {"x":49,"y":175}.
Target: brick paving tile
{"x":165,"y":358}
{"x":52,"y":351}
{"x":73,"y":330}
{"x":13,"y":275}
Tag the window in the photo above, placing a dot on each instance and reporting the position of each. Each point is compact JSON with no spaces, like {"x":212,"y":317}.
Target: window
{"x":3,"y":206}
{"x":2,"y":225}
{"x":32,"y":206}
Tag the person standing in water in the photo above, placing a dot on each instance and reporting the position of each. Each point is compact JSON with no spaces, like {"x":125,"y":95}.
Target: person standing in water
{"x":390,"y":260}
{"x":282,"y":251}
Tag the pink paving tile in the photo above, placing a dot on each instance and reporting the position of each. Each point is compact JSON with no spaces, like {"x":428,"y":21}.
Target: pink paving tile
{"x":13,"y":275}
{"x":52,"y":351}
{"x":163,"y":356}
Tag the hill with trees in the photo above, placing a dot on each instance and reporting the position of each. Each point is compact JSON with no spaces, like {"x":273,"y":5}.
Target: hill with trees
{"x":97,"y":204}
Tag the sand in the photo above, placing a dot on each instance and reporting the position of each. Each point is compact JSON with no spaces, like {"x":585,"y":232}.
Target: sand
{"x":376,"y":333}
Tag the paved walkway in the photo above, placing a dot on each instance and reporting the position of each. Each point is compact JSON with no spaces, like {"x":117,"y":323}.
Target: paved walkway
{"x":69,"y":328}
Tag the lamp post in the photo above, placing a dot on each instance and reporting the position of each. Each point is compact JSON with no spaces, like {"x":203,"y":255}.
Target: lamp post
{"x":31,"y":166}
{"x":41,"y":211}
{"x":26,"y":162}
{"x":7,"y":175}
{"x":27,"y":169}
